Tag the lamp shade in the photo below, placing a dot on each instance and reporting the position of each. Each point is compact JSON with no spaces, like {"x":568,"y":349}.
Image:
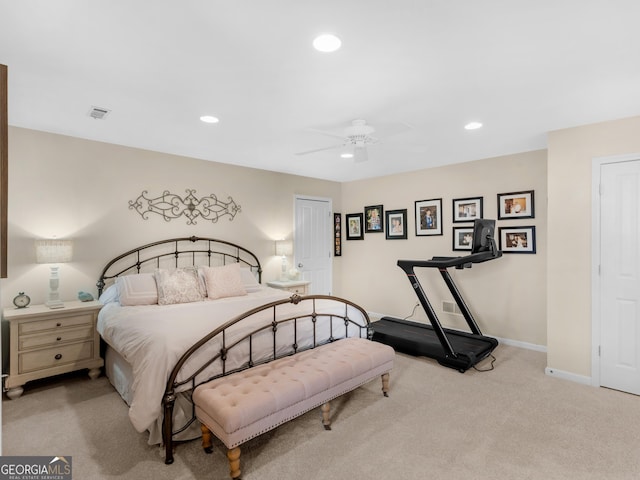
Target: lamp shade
{"x":54,"y":250}
{"x":284,"y":248}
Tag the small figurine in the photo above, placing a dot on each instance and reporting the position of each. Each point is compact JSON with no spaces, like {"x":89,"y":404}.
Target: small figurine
{"x":85,"y":296}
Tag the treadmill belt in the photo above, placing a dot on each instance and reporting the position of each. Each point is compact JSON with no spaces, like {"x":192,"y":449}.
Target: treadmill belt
{"x":420,"y":339}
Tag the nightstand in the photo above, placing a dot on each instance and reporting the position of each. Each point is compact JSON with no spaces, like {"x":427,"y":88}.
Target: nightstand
{"x":46,"y":342}
{"x":300,"y":287}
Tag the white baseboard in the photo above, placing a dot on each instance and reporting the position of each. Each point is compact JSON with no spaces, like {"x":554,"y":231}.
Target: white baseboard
{"x":554,"y":372}
{"x":514,"y":343}
{"x":373,"y":316}
{"x":518,"y":343}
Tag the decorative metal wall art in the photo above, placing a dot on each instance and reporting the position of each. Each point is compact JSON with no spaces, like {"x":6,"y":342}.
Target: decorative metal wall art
{"x":170,"y":206}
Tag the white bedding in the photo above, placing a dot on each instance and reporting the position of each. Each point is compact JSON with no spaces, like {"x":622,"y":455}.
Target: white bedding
{"x":151,"y":338}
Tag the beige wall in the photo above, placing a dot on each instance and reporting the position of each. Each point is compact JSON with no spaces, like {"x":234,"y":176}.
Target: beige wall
{"x":571,"y":154}
{"x":507,"y":296}
{"x":72,"y":188}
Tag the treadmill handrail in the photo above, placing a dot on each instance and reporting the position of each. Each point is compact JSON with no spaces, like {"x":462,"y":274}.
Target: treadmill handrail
{"x":446,"y":262}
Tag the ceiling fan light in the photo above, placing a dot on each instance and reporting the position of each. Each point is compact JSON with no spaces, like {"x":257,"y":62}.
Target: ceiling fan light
{"x":327,"y":42}
{"x":346,"y":155}
{"x":473,"y":126}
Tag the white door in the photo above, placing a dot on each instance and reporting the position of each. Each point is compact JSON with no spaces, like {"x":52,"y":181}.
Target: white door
{"x":313,"y":242}
{"x":620,"y":276}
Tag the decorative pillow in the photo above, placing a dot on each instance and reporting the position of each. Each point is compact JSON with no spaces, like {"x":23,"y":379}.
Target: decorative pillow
{"x":138,"y":289}
{"x":224,"y":281}
{"x":249,"y":280}
{"x":178,"y":286}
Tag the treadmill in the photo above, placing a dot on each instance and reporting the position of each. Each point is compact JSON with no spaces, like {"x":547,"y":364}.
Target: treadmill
{"x":451,"y":348}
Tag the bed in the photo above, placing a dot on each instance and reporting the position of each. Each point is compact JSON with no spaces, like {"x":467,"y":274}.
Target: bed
{"x":162,"y":298}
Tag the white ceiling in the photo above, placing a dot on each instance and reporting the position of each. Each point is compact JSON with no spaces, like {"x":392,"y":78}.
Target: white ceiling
{"x":521,"y":67}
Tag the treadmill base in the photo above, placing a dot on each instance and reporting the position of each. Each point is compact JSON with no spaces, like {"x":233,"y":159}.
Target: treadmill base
{"x":421,"y":340}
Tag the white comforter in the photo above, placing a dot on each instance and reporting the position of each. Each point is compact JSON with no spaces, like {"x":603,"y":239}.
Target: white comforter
{"x":152,"y":338}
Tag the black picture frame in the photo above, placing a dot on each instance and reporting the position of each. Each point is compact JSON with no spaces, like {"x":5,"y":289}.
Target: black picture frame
{"x":354,"y":225}
{"x":374,"y":219}
{"x":516,"y":205}
{"x":517,"y":239}
{"x":467,"y":209}
{"x":462,"y":238}
{"x":428,"y":217}
{"x":337,"y":234}
{"x":396,"y":224}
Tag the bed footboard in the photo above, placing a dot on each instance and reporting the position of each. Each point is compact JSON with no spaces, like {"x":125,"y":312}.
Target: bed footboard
{"x":261,"y":335}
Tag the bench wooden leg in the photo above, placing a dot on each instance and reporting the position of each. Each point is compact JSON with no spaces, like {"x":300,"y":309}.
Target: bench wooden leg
{"x":385,"y":384}
{"x":326,"y":416}
{"x":207,"y":444}
{"x":233,"y":454}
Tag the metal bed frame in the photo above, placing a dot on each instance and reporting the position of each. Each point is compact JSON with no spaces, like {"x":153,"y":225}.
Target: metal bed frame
{"x":274,"y":325}
{"x":178,"y":252}
{"x":202,"y":251}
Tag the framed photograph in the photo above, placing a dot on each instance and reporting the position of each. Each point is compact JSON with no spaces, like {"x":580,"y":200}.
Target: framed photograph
{"x":337,"y":234}
{"x":515,"y":205}
{"x":467,"y":209}
{"x":373,"y":219}
{"x":354,"y":226}
{"x":429,"y":217}
{"x":462,"y":238}
{"x":396,"y":221}
{"x":517,"y":239}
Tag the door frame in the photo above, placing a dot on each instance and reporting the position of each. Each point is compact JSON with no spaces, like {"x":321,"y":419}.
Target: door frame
{"x":596,"y":321}
{"x":329,"y":200}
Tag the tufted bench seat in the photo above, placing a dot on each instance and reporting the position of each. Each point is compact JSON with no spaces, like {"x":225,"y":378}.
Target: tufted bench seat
{"x":246,"y":404}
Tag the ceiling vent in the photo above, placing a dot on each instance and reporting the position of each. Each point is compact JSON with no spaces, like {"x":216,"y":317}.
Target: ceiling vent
{"x":98,"y":113}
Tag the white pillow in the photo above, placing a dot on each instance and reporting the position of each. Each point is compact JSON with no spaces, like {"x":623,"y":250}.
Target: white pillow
{"x":137,"y":289}
{"x":224,"y":281}
{"x":109,"y":295}
{"x":249,"y":280}
{"x":178,"y":286}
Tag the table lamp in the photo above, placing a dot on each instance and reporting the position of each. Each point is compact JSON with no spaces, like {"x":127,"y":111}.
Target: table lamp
{"x":53,"y":252}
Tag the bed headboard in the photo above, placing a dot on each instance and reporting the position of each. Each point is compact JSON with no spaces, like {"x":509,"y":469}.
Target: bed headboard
{"x":178,"y":252}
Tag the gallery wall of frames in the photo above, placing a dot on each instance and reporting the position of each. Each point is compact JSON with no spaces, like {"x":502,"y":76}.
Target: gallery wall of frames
{"x":429,"y":221}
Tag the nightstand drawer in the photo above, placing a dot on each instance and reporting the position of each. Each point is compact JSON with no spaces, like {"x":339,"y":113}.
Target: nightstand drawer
{"x":301,"y":287}
{"x":26,"y":342}
{"x":301,"y":290}
{"x":55,"y":323}
{"x":52,"y":357}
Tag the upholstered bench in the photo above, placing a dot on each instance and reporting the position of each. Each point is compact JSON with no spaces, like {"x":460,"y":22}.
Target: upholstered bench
{"x":245,"y":404}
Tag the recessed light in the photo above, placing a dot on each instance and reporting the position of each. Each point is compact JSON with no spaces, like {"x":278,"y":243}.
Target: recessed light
{"x":209,"y":119}
{"x":346,"y":155}
{"x":473,"y":126}
{"x":327,"y":42}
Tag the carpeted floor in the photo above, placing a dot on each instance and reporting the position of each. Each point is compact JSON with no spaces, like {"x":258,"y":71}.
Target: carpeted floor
{"x":510,"y":423}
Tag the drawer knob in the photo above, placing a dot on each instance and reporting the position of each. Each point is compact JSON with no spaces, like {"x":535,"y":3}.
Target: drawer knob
{"x":58,"y":356}
{"x":58,"y":339}
{"x":58,"y":324}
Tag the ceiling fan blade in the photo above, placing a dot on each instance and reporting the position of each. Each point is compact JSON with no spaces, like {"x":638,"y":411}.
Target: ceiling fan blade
{"x":385,"y":130}
{"x":325,"y":132}
{"x":320,"y":149}
{"x":360,"y":154}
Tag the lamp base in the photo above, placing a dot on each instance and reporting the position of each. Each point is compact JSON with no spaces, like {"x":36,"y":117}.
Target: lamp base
{"x":55,"y":304}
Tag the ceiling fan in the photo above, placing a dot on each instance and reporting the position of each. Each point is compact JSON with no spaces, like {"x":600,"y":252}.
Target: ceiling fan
{"x":358,"y":136}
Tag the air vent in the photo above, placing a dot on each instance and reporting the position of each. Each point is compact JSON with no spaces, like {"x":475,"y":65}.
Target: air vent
{"x":98,"y":113}
{"x":451,"y":307}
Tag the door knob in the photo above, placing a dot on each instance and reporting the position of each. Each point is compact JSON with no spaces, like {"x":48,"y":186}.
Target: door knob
{"x":300,"y":265}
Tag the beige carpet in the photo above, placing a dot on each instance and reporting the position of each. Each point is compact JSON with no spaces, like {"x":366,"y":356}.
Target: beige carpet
{"x":510,"y":423}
